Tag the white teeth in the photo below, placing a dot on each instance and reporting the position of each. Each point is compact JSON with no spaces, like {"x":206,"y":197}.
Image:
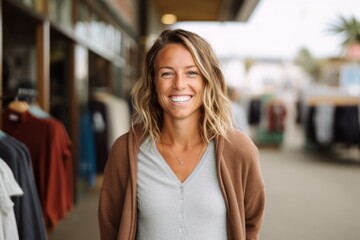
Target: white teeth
{"x":180,"y":99}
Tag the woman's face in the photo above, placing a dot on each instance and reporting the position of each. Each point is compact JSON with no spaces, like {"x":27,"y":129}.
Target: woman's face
{"x":179,"y":83}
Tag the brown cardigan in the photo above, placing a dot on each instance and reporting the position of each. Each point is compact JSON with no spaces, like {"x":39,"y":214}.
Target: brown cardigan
{"x":238,"y":173}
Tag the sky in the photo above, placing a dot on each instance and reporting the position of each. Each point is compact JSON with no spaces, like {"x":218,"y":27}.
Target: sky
{"x":278,"y":29}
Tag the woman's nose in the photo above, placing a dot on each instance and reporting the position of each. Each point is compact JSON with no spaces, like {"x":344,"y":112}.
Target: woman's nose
{"x":179,"y":82}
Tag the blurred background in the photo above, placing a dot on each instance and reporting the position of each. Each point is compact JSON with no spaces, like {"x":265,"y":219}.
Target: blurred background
{"x":293,"y":70}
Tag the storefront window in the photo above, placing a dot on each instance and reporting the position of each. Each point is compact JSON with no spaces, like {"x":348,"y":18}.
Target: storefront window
{"x":104,"y":34}
{"x":60,"y":71}
{"x":110,"y":33}
{"x":82,"y":74}
{"x":117,"y":42}
{"x":82,"y":21}
{"x":61,"y":12}
{"x":96,"y":28}
{"x":19,"y":52}
{"x":125,"y":45}
{"x":99,"y":75}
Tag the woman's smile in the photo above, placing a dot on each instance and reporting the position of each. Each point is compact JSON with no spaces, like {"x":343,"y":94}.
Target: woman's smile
{"x":180,"y":99}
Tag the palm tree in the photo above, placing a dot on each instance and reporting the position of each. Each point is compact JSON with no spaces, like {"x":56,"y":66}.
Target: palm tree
{"x":350,"y":29}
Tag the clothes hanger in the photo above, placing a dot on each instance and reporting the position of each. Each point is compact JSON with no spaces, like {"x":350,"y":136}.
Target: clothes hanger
{"x":18,"y":106}
{"x":26,"y":95}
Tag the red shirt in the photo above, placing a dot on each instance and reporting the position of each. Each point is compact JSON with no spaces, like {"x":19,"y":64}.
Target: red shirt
{"x":50,"y":149}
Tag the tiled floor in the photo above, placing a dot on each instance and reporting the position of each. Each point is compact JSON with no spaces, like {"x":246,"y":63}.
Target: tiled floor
{"x":81,"y":223}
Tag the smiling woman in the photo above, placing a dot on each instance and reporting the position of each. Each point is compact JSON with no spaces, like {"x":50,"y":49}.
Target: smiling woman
{"x":179,"y":84}
{"x":182,"y":171}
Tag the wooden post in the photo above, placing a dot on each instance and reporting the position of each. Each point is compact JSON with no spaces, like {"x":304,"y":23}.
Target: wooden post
{"x":43,"y":64}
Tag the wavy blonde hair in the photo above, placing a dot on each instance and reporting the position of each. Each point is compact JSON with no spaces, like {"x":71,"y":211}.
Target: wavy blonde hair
{"x":217,"y":115}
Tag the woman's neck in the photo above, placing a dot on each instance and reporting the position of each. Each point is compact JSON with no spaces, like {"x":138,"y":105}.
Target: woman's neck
{"x":182,"y":133}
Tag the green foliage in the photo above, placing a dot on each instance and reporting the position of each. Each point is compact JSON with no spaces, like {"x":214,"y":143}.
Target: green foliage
{"x":308,"y":63}
{"x":349,"y":28}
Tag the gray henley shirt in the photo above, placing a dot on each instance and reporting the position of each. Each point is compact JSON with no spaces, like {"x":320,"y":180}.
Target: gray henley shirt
{"x":172,"y":210}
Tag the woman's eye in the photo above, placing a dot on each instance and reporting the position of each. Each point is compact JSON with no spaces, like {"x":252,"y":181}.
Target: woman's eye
{"x":192,"y":74}
{"x":166,"y":75}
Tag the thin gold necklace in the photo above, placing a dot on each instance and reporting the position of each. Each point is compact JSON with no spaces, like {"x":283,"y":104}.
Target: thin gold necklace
{"x":181,"y":162}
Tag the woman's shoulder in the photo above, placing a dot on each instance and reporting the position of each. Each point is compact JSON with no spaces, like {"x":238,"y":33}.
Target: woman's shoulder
{"x":237,"y":137}
{"x":129,"y":140}
{"x":238,"y":146}
{"x":121,"y":141}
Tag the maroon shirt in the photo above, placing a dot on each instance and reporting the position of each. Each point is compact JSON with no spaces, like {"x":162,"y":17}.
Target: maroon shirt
{"x":50,"y":150}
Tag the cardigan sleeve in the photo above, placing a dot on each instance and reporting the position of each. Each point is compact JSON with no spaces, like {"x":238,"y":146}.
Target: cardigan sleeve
{"x":243,"y":186}
{"x":254,"y":202}
{"x":112,"y":195}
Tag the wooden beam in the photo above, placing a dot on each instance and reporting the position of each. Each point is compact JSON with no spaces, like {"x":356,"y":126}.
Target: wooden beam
{"x":43,"y":64}
{"x":74,"y":117}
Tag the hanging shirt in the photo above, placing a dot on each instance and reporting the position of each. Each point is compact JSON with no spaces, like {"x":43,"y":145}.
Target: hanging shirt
{"x":99,"y":119}
{"x":118,"y":116}
{"x":324,"y":123}
{"x":28,"y":211}
{"x":87,"y":153}
{"x":49,"y":146}
{"x":8,"y":188}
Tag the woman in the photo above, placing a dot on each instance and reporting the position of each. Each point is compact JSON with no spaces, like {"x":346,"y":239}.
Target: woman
{"x":182,"y":171}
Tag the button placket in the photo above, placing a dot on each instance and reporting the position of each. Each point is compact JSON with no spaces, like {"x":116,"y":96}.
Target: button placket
{"x":181,"y":211}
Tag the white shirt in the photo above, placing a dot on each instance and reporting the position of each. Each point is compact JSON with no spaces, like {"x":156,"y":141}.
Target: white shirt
{"x":8,"y":188}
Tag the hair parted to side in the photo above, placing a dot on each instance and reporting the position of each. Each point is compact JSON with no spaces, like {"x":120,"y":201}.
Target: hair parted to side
{"x":217,"y":115}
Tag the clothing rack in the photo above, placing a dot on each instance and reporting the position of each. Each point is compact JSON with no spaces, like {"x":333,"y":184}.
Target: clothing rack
{"x":50,"y":153}
{"x":333,"y":100}
{"x":336,"y":126}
